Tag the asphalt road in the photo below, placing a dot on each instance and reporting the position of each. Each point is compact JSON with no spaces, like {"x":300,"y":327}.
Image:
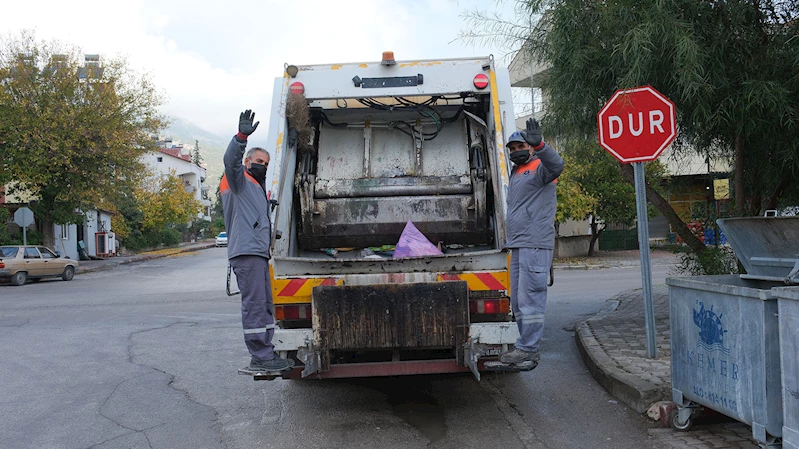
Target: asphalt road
{"x":145,"y":356}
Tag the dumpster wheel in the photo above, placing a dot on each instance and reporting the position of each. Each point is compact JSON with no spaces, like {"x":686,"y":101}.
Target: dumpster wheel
{"x":674,"y":421}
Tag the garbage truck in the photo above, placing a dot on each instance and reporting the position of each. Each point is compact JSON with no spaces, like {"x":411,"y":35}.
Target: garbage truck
{"x":361,"y":152}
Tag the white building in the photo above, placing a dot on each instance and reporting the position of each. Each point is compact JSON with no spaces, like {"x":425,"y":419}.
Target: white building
{"x":171,"y":158}
{"x":93,"y":234}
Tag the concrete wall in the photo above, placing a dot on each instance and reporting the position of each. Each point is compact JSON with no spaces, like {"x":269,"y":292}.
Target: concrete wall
{"x":66,"y":240}
{"x":574,"y":246}
{"x":571,"y":228}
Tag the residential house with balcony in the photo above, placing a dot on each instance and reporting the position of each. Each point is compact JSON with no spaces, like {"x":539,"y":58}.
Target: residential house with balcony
{"x":172,"y":157}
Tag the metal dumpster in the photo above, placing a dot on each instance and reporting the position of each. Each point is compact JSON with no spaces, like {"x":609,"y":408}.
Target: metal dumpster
{"x":725,"y":331}
{"x":768,"y":248}
{"x":725,"y":351}
{"x":788,"y":304}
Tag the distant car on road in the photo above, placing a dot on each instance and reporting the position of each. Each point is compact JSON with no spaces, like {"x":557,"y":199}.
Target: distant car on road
{"x":22,"y":262}
{"x":221,"y":239}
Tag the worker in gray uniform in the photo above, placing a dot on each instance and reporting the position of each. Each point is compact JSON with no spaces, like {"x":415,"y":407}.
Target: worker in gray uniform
{"x":530,"y":228}
{"x":249,"y":230}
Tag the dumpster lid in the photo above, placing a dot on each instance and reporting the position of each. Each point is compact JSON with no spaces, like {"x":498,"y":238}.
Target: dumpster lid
{"x":787,"y":293}
{"x":768,"y":247}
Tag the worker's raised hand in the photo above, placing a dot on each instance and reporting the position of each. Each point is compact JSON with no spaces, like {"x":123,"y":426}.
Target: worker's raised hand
{"x":246,"y":125}
{"x":532,"y":133}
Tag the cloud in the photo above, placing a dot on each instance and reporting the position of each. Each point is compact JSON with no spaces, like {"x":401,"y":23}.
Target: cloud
{"x":213,"y":59}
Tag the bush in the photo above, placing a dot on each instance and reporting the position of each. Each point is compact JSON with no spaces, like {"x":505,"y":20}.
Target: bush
{"x":5,"y":236}
{"x":217,"y":226}
{"x":170,"y":237}
{"x":713,"y":260}
{"x":137,"y":240}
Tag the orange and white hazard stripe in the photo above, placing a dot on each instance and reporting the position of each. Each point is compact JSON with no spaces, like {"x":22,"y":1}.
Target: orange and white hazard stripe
{"x":299,"y":290}
{"x":487,"y":280}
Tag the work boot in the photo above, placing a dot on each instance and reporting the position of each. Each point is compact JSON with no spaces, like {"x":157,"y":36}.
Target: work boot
{"x":519,"y":357}
{"x":275,"y":364}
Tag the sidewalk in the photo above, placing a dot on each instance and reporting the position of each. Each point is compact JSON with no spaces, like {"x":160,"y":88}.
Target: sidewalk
{"x":88,"y":266}
{"x":613,"y":348}
{"x":615,"y":259}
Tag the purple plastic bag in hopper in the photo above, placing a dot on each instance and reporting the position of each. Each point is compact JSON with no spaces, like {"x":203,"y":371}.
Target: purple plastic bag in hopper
{"x":414,"y":243}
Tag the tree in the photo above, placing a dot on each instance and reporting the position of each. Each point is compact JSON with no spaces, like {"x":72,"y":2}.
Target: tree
{"x":730,"y":67}
{"x":573,"y":201}
{"x":5,"y":236}
{"x":164,"y":202}
{"x":196,"y":159}
{"x":597,"y":172}
{"x":71,"y":132}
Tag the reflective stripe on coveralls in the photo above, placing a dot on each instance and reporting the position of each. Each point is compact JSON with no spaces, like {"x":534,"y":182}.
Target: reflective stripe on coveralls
{"x":259,"y":330}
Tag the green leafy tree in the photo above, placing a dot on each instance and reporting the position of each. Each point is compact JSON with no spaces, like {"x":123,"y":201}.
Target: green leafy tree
{"x":71,"y":132}
{"x":598,"y":173}
{"x":5,"y":236}
{"x":218,"y":211}
{"x":196,"y":158}
{"x":573,"y":201}
{"x":730,"y":67}
{"x":164,"y":202}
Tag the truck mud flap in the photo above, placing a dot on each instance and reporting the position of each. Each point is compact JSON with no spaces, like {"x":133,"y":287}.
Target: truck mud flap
{"x":409,"y":316}
{"x":471,"y":357}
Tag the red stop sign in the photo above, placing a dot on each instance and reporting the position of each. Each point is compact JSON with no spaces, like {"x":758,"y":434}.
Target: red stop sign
{"x":636,"y":125}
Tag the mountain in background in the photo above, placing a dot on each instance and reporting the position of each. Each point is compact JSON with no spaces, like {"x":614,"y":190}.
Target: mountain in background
{"x":212,"y":147}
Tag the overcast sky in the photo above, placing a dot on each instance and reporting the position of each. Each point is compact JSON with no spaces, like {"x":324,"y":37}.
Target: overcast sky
{"x":213,"y":59}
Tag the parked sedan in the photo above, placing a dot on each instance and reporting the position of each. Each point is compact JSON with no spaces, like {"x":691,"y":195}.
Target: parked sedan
{"x":20,"y":263}
{"x":221,"y":239}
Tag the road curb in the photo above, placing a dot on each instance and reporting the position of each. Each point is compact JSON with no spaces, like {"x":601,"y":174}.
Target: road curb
{"x":637,"y":393}
{"x":580,"y":267}
{"x":142,"y":258}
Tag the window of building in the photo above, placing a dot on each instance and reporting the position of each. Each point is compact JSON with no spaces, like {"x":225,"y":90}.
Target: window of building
{"x":65,"y":232}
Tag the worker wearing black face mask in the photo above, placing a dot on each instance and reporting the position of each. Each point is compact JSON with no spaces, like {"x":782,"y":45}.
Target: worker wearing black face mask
{"x":531,"y":237}
{"x":249,"y":230}
{"x":257,"y":169}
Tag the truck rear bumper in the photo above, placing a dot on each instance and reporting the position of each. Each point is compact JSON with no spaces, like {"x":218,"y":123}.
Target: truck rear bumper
{"x":486,"y":341}
{"x":479,"y":333}
{"x":382,"y":369}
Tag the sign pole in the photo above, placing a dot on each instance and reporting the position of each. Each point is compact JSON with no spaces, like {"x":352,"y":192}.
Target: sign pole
{"x":646,"y":267}
{"x":24,"y":235}
{"x":631,"y":144}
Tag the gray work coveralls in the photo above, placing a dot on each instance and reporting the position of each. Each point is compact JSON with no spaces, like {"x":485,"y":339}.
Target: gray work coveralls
{"x":532,"y":202}
{"x":249,"y":226}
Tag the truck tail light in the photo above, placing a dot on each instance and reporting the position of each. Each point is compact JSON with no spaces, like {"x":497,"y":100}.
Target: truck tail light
{"x":297,"y":88}
{"x":481,"y":81}
{"x":499,"y":306}
{"x":2,"y":264}
{"x":293,"y":312}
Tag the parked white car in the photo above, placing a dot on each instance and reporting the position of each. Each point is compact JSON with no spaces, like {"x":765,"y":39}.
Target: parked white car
{"x":221,"y":239}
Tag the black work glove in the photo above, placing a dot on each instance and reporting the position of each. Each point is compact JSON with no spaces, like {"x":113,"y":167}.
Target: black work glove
{"x":246,"y":126}
{"x":532,"y":134}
